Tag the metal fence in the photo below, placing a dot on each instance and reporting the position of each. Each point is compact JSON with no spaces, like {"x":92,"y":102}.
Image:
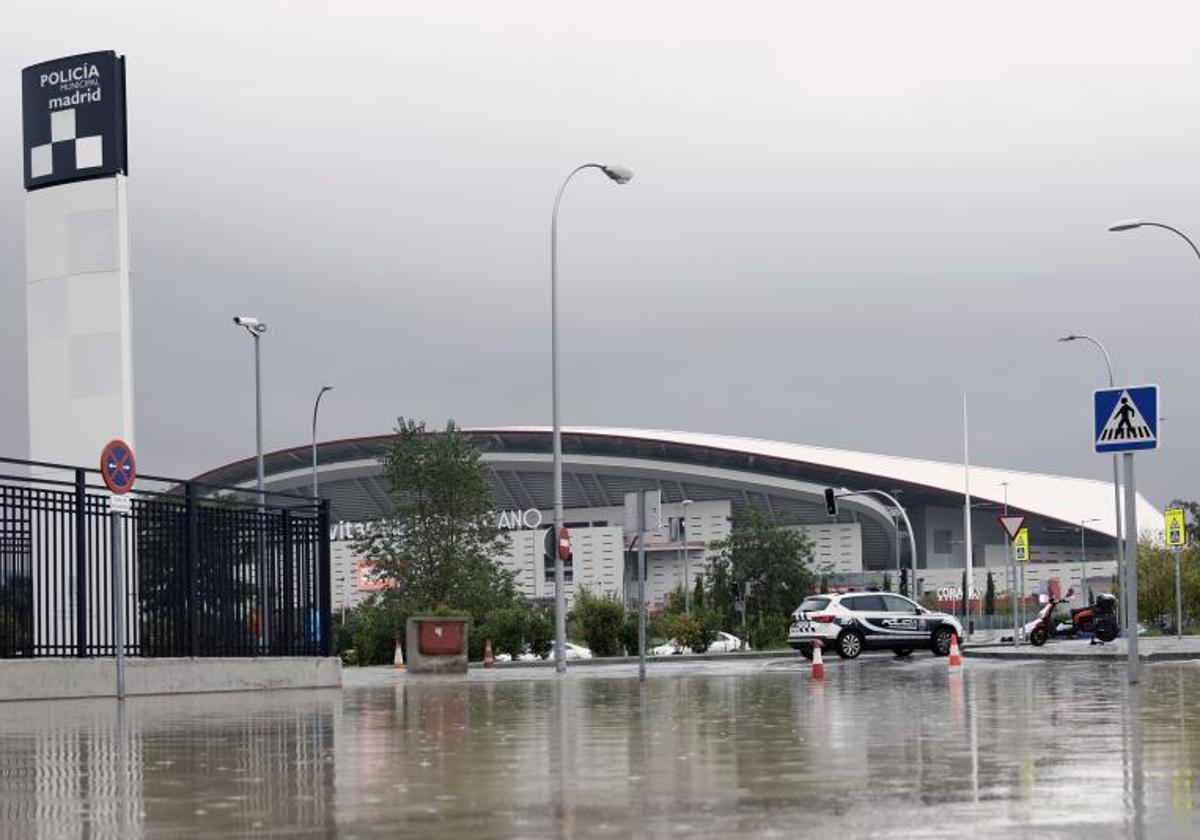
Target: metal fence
{"x":202,"y":570}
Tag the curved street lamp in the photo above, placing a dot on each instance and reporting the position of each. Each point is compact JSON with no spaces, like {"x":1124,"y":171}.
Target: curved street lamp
{"x":1116,"y":476}
{"x":1134,"y":224}
{"x":317,"y":405}
{"x":620,"y":175}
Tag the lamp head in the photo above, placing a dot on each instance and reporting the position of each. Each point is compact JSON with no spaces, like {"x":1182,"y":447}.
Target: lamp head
{"x":1125,"y":224}
{"x":1069,"y":338}
{"x":620,"y":174}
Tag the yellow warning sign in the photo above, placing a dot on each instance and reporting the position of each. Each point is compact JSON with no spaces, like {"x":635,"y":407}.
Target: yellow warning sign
{"x":1175,"y":528}
{"x":1021,"y":546}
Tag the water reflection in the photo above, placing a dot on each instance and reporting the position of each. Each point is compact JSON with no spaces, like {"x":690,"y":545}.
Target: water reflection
{"x":216,"y":764}
{"x":881,"y":746}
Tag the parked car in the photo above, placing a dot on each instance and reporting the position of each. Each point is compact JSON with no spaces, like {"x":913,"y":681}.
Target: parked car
{"x":575,"y":651}
{"x":727,"y":643}
{"x":856,"y":621}
{"x":724,"y":643}
{"x":668,"y":648}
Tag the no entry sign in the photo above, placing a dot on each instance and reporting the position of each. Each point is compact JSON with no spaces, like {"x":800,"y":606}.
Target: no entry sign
{"x":118,"y":467}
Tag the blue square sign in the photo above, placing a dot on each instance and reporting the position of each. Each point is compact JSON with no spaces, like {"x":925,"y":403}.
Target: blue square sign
{"x":1126,"y":419}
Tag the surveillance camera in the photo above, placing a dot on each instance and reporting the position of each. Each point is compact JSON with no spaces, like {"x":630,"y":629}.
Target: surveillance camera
{"x":245,"y":321}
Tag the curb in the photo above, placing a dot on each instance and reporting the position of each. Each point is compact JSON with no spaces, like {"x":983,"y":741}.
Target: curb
{"x":633,"y":660}
{"x":1027,"y":655}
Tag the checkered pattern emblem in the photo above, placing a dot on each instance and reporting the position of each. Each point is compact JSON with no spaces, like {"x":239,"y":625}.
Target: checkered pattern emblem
{"x":82,"y":152}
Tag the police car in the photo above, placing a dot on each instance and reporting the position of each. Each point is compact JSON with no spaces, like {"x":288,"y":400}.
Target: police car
{"x":856,"y":621}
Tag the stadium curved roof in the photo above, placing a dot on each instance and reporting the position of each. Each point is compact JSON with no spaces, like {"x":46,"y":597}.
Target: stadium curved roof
{"x":352,"y":465}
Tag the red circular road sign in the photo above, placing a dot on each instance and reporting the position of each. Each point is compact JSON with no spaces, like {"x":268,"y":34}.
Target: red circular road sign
{"x":118,"y":467}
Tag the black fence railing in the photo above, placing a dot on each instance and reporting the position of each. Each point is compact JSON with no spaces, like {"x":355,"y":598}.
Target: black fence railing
{"x":204,"y":570}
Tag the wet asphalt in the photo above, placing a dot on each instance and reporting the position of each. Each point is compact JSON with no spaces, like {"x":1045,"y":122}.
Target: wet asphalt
{"x":881,"y":747}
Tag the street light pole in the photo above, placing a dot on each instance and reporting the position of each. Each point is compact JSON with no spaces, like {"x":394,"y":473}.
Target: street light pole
{"x":620,"y":175}
{"x":683,"y":554}
{"x":1012,"y":562}
{"x":255,"y":328}
{"x":1083,"y":577}
{"x":1116,"y":476}
{"x":967,"y":538}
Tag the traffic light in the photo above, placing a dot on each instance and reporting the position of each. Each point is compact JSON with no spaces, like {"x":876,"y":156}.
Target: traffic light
{"x":830,"y":501}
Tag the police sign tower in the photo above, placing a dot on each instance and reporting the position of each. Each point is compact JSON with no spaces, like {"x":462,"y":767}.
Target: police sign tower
{"x":77,"y":256}
{"x":1126,"y":421}
{"x":77,"y":315}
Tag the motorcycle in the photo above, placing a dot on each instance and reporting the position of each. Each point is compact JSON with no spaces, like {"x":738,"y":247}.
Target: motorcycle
{"x":1099,"y":619}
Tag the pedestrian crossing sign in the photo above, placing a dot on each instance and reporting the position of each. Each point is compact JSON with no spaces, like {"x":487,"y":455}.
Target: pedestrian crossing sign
{"x":1174,"y":527}
{"x":1021,"y":546}
{"x":1126,"y":419}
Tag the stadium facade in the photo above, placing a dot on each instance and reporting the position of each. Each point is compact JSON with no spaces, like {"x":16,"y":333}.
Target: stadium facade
{"x":704,"y":480}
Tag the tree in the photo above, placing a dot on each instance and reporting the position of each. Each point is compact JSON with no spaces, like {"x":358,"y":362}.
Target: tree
{"x":768,"y":563}
{"x":989,"y":596}
{"x":887,"y":582}
{"x":1156,"y":584}
{"x":437,"y":545}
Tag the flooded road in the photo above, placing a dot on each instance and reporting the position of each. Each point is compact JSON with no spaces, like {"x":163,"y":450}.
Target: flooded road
{"x":881,"y":748}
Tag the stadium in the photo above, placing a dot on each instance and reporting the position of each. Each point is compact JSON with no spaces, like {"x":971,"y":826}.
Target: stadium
{"x":704,"y":479}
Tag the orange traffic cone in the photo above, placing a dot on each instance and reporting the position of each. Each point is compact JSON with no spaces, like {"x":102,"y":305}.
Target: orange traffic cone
{"x":818,"y":666}
{"x":398,"y":660}
{"x":489,"y":661}
{"x":955,"y":660}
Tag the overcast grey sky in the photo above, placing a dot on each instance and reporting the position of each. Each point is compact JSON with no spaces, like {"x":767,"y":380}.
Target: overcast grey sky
{"x":843,"y":216}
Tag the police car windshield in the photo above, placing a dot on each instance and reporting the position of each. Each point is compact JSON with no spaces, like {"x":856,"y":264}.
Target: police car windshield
{"x":813,"y":605}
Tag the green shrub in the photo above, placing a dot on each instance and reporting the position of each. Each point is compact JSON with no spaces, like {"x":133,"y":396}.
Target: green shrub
{"x":629,"y":633}
{"x":769,"y":632}
{"x":541,"y":632}
{"x":370,"y":631}
{"x":508,"y":628}
{"x":600,"y":622}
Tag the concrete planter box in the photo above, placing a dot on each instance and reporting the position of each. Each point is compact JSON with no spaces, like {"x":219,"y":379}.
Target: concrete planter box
{"x":436,"y":645}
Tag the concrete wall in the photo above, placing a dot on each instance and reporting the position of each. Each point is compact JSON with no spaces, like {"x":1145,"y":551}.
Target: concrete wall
{"x":38,"y":679}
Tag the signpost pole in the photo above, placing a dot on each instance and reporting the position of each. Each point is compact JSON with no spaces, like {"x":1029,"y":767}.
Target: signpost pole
{"x":1021,"y":570}
{"x":1174,"y":530}
{"x":118,"y":469}
{"x":118,"y":599}
{"x":641,"y":565}
{"x":1013,"y":595}
{"x":1131,"y":563}
{"x":1178,"y":599}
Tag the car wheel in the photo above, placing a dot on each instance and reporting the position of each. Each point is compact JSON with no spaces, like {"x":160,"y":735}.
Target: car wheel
{"x":1038,"y":636}
{"x":941,"y":641}
{"x":902,"y":652}
{"x":806,"y":651}
{"x":850,"y":644}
